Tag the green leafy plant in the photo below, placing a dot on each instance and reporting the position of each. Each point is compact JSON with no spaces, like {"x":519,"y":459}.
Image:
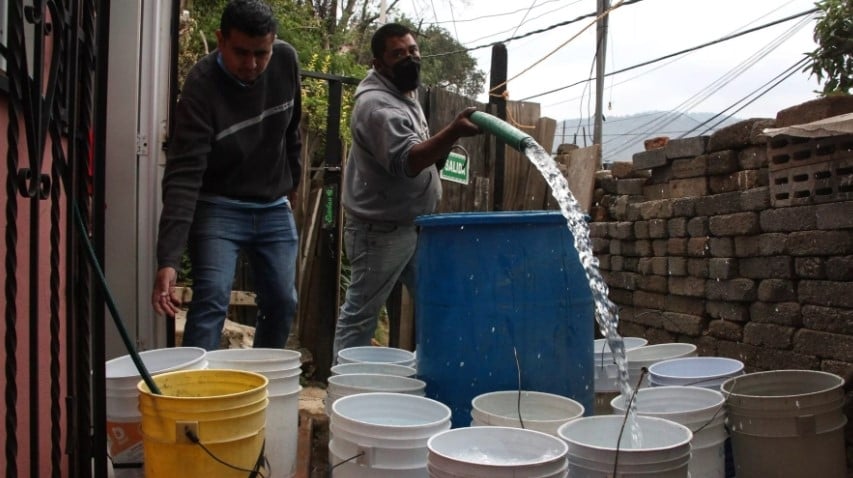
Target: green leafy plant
{"x":831,"y":62}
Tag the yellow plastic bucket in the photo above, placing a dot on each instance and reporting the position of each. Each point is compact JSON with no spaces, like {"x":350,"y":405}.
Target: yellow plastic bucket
{"x":224,"y":412}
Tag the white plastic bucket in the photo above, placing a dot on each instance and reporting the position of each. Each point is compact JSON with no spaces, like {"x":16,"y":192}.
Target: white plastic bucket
{"x":707,"y":372}
{"x":663,"y":453}
{"x":604,"y":362}
{"x":544,"y":412}
{"x":283,"y":368}
{"x":374,"y":367}
{"x":122,"y":397}
{"x":652,"y":354}
{"x":386,"y":432}
{"x":699,"y":409}
{"x":496,"y":452}
{"x":787,"y":423}
{"x":353,"y":383}
{"x":377,"y":354}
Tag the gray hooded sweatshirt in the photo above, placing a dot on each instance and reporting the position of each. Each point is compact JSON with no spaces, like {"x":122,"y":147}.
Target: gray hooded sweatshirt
{"x":385,"y":126}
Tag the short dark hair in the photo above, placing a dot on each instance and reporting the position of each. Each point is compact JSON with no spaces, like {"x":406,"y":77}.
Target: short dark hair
{"x":252,"y":17}
{"x":389,"y":30}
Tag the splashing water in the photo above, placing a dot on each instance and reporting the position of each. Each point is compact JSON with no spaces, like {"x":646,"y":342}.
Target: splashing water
{"x":606,"y":313}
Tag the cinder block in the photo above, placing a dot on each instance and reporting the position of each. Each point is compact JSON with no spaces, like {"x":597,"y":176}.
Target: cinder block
{"x":686,"y":147}
{"x":650,"y":159}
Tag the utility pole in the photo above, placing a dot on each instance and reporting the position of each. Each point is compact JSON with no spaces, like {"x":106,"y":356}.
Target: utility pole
{"x":600,"y":53}
{"x":497,"y":87}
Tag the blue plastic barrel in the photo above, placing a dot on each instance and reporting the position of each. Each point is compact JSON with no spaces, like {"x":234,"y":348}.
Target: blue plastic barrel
{"x":495,"y":286}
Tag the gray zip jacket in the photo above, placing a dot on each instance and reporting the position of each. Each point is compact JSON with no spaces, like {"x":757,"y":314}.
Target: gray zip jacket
{"x":385,"y":126}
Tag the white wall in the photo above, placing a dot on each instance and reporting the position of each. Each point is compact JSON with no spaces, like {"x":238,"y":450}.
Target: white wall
{"x":137,"y":109}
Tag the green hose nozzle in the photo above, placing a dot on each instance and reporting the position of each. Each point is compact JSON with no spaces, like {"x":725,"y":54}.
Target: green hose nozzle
{"x":506,"y":132}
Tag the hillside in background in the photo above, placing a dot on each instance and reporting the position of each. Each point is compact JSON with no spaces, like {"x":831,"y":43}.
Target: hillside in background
{"x":624,"y":135}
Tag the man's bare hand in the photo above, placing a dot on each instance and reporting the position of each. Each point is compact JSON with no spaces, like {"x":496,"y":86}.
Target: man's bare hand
{"x":163,"y":297}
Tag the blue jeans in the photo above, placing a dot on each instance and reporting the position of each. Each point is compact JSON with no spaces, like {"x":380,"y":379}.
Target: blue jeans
{"x":269,"y":238}
{"x":379,"y":255}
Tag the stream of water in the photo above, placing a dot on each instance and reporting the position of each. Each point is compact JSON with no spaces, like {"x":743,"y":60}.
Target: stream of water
{"x":606,"y":312}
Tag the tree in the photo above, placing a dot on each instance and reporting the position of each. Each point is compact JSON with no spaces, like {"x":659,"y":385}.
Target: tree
{"x":831,"y":61}
{"x":446,"y":63}
{"x":333,"y":37}
{"x":341,"y":31}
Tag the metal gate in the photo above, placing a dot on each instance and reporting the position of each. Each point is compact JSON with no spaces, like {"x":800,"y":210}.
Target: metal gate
{"x":48,"y":93}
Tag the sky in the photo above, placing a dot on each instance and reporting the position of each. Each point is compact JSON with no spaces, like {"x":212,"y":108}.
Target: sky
{"x":712,"y":79}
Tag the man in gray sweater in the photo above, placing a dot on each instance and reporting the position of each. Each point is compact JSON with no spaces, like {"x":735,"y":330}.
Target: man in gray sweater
{"x":232,"y":163}
{"x":390,"y":178}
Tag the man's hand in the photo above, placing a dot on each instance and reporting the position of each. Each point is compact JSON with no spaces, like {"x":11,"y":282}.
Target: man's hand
{"x":163,"y":297}
{"x":463,"y":126}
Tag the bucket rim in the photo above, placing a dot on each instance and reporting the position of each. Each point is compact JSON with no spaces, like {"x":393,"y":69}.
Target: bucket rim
{"x":584,"y":420}
{"x":406,"y":383}
{"x":397,"y":397}
{"x":405,"y":357}
{"x":731,"y":382}
{"x":142,"y":387}
{"x":738,"y":368}
{"x":637,"y":342}
{"x":618,"y":402}
{"x":247,"y":355}
{"x":563,"y":403}
{"x":125,"y":358}
{"x":650,"y":349}
{"x":561,"y":444}
{"x":397,"y":367}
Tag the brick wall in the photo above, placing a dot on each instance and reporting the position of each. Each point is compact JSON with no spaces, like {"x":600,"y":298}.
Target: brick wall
{"x":694,"y":250}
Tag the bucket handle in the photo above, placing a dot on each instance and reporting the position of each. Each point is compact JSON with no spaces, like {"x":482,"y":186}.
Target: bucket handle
{"x":260,"y":464}
{"x":354,"y":457}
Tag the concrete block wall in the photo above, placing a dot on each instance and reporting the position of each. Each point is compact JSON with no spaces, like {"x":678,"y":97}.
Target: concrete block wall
{"x":693,"y":251}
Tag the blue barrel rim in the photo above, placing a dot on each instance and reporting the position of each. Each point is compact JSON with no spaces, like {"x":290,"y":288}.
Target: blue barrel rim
{"x":490,"y":217}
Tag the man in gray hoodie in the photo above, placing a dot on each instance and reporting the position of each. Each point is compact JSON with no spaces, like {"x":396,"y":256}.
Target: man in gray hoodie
{"x":390,"y":178}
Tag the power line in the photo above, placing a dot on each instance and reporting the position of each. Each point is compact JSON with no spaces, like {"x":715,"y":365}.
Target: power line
{"x":787,"y":73}
{"x":687,"y":50}
{"x":515,"y":30}
{"x":667,"y":118}
{"x":524,"y":17}
{"x":525,"y":35}
{"x":483,"y":17}
{"x":784,"y":76}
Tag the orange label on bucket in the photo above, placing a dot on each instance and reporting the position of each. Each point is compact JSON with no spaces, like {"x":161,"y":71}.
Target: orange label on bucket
{"x":125,"y":439}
